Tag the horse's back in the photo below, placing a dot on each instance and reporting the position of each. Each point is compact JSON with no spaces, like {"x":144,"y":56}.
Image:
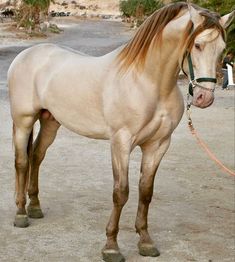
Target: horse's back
{"x":35,"y":66}
{"x":50,"y":77}
{"x":37,"y":56}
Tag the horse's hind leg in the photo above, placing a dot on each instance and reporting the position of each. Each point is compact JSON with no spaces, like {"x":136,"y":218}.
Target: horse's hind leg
{"x":46,"y":136}
{"x":152,"y":155}
{"x":22,"y":136}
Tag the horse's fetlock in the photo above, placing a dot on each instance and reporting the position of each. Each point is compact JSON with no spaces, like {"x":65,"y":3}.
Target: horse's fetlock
{"x":21,"y":207}
{"x":33,"y":196}
{"x":140,"y":226}
{"x":21,"y":201}
{"x":111,"y":232}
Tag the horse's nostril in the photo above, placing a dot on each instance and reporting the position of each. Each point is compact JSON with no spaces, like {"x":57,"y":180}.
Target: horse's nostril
{"x":200,"y":98}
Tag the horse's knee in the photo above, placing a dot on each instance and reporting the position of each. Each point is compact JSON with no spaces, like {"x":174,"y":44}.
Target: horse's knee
{"x":120,"y":195}
{"x":21,"y":164}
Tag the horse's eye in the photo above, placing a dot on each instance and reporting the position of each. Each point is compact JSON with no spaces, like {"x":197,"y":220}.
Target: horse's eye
{"x":198,"y":47}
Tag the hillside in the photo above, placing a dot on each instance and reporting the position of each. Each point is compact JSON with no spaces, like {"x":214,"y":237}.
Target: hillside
{"x":87,"y":6}
{"x":79,"y":7}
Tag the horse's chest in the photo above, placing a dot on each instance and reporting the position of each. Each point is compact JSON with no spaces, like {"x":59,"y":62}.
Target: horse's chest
{"x":160,"y":126}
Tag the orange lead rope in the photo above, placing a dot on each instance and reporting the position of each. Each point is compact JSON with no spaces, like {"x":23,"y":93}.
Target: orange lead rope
{"x":204,"y":146}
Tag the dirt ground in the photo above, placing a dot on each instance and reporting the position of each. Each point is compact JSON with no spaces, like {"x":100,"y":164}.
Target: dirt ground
{"x":192,"y":213}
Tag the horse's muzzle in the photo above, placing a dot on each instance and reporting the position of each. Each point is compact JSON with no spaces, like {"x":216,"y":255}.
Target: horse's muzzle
{"x":203,"y":98}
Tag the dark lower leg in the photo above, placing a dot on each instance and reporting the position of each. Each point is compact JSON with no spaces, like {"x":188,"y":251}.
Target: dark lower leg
{"x":21,"y":181}
{"x":111,"y":251}
{"x":46,"y":136}
{"x":148,"y":170}
{"x":146,"y":244}
{"x":34,"y":208}
{"x":21,"y":140}
{"x":145,"y":196}
{"x":33,"y":189}
{"x":120,"y":146}
{"x":152,"y":155}
{"x":120,"y":197}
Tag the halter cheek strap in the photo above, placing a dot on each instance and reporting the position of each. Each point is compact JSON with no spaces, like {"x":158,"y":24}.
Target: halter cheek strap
{"x":195,"y":81}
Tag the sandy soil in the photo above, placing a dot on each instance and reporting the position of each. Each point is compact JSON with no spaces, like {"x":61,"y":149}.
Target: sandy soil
{"x":192,"y":213}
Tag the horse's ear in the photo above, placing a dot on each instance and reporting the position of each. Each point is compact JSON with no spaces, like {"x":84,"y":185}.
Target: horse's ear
{"x":226,"y":20}
{"x":195,"y":16}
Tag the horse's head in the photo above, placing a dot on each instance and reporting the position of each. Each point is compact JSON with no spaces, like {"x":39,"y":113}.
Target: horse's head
{"x":205,"y":46}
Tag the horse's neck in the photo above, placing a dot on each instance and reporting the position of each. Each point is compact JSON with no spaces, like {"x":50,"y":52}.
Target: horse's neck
{"x":162,"y":67}
{"x":162,"y":61}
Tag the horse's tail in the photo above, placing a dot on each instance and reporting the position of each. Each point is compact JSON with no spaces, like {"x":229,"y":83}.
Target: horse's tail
{"x":29,"y":153}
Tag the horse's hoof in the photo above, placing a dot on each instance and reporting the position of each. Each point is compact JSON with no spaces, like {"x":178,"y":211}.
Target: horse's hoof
{"x":148,"y":250}
{"x":34,"y":212}
{"x":112,"y":255}
{"x":21,"y":221}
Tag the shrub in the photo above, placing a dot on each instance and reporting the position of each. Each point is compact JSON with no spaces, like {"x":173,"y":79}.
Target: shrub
{"x":139,"y":8}
{"x":64,"y":3}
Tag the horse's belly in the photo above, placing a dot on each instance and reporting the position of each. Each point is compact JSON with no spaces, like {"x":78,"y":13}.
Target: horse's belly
{"x":81,"y":123}
{"x":77,"y":113}
{"x":75,"y":101}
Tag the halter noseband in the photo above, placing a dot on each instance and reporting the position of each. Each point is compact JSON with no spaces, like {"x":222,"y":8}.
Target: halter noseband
{"x":195,"y":81}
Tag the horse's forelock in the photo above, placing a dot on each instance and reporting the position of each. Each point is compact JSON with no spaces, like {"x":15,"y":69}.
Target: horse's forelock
{"x":210,"y":22}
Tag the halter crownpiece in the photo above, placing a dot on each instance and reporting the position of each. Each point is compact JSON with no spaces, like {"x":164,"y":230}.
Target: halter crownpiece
{"x":195,"y":81}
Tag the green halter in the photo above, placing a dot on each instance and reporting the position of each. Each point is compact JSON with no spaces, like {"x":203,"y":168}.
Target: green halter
{"x":195,"y":82}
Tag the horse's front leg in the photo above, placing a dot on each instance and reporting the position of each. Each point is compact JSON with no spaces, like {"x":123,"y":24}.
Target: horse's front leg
{"x":120,"y":148}
{"x":152,"y":155}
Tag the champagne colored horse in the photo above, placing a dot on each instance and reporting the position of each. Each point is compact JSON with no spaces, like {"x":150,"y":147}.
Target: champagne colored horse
{"x":129,"y":96}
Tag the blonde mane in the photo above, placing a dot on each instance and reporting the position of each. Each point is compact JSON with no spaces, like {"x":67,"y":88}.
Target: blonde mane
{"x":134,"y":53}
